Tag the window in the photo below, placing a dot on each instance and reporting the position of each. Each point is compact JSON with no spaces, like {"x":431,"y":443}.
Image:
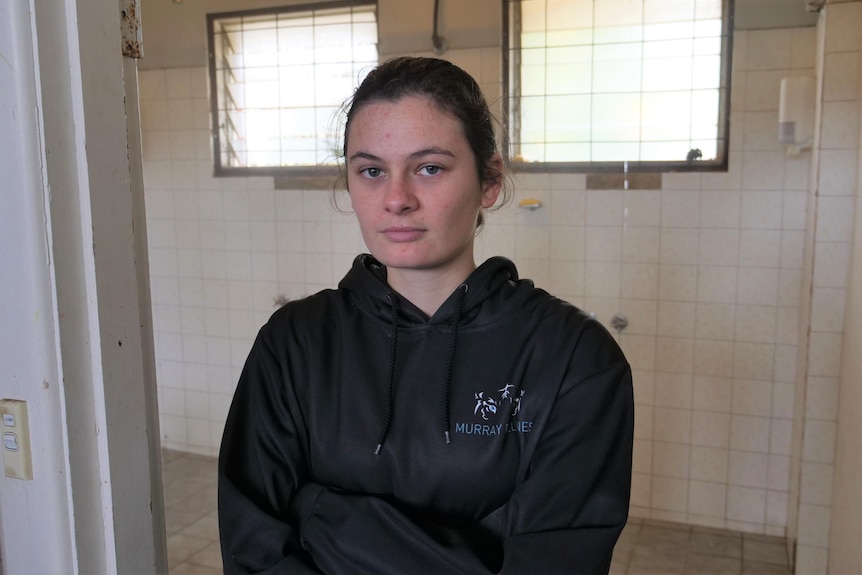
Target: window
{"x":277,"y":79}
{"x":614,"y":85}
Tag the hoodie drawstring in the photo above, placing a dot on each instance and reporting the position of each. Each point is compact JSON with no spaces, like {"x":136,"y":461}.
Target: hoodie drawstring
{"x":456,"y":321}
{"x":392,"y":356}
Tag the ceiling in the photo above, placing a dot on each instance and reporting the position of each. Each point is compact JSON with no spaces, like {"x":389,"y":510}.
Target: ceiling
{"x":761,"y":14}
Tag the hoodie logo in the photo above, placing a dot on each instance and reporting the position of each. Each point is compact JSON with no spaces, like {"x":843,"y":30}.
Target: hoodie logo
{"x":490,"y":408}
{"x":486,"y":406}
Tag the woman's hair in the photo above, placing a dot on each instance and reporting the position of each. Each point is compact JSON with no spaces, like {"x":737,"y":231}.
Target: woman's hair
{"x":451,"y":89}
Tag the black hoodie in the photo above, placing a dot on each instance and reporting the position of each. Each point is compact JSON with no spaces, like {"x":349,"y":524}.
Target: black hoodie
{"x":365,"y":437}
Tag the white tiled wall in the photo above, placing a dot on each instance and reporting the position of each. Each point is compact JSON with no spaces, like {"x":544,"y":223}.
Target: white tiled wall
{"x":833,"y":203}
{"x":221,"y":251}
{"x":708,"y":271}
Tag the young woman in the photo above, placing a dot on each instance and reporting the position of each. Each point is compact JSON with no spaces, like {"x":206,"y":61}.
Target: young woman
{"x":427,"y":416}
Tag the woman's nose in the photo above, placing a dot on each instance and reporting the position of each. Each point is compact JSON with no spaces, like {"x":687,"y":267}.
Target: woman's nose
{"x":400,"y":195}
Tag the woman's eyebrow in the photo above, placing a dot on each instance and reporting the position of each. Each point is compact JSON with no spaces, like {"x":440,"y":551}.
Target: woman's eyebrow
{"x":432,"y":151}
{"x":364,"y":156}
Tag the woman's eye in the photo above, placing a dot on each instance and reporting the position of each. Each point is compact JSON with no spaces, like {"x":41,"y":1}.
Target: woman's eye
{"x":371,"y":172}
{"x":430,"y":170}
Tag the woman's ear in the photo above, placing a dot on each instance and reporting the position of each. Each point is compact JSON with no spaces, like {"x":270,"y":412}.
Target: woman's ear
{"x":492,"y":184}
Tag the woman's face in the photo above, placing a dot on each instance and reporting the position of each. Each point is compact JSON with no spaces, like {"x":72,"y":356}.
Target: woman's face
{"x":414,"y":186}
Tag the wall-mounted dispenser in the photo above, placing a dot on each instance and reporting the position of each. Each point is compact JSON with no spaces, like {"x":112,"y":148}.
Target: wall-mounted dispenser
{"x":796,"y":113}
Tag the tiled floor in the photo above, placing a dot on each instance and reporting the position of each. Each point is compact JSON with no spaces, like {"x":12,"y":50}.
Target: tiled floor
{"x":676,"y":549}
{"x":645,"y":547}
{"x":190,"y":513}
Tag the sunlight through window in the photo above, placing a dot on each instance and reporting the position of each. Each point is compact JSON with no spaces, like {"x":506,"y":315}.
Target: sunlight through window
{"x":277,"y":79}
{"x":599,"y":83}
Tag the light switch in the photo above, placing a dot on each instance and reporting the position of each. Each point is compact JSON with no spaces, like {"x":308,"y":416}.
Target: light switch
{"x":10,"y":441}
{"x":15,"y":427}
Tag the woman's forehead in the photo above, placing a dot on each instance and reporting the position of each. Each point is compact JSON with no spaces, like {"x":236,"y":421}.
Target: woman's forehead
{"x":409,"y":117}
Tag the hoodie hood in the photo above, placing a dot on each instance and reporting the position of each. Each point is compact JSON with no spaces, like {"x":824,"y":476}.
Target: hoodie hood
{"x":366,"y":281}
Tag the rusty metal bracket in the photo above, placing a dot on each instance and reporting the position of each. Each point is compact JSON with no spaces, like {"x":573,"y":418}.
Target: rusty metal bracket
{"x":130,"y":27}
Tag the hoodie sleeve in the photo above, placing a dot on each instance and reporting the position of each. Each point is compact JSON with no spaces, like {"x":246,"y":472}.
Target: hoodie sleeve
{"x":564,"y":517}
{"x":261,"y":466}
{"x":570,"y":510}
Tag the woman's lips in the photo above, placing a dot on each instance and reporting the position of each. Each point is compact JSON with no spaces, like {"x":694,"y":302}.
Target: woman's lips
{"x":402,"y":233}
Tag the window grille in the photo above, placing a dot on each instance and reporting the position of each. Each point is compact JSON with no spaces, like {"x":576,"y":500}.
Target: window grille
{"x":616,"y":85}
{"x":277,"y":79}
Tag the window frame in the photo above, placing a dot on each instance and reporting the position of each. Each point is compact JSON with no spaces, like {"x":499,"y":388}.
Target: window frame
{"x":309,"y":174}
{"x":720,"y":164}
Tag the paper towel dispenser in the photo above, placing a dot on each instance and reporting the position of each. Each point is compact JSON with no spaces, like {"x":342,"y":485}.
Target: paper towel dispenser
{"x":796,"y":112}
